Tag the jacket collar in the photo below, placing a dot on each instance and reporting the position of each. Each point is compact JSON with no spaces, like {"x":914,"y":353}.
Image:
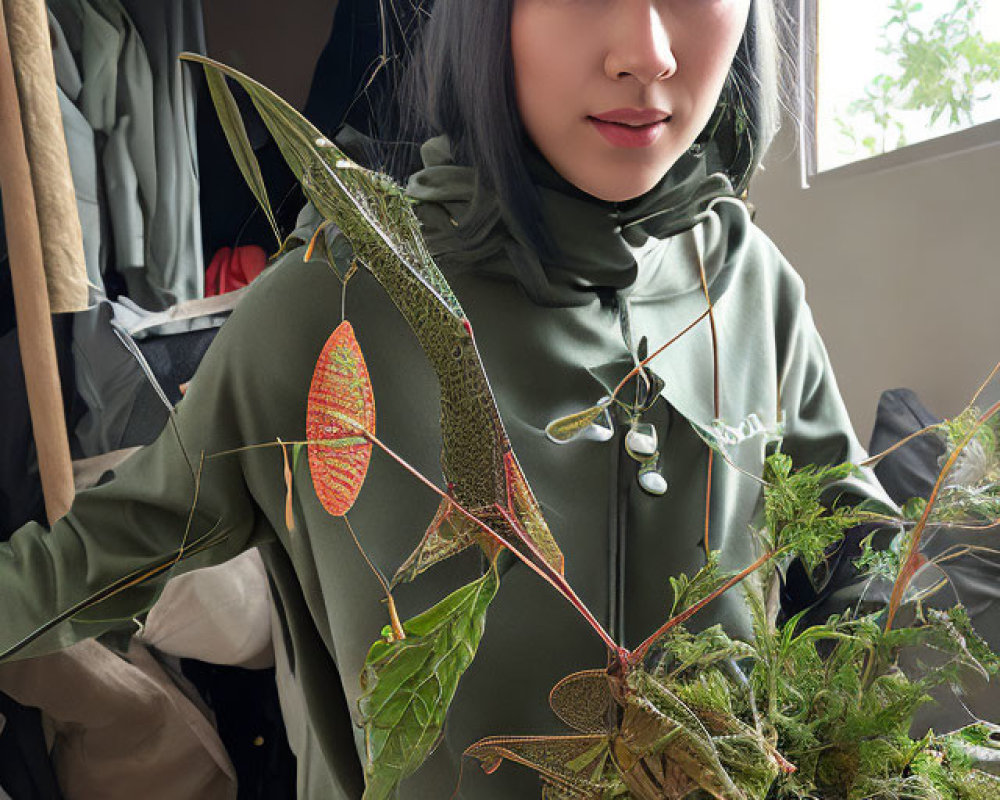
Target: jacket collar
{"x":599,"y":242}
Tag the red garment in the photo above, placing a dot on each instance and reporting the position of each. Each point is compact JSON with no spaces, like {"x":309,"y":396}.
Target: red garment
{"x":232,"y":268}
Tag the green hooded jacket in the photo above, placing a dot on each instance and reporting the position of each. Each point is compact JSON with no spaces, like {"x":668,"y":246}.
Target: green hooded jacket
{"x":554,"y":337}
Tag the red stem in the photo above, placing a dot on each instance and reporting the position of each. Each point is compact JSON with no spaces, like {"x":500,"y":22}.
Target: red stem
{"x":560,"y":583}
{"x":640,"y":652}
{"x":914,"y":558}
{"x":656,"y":352}
{"x":557,"y":581}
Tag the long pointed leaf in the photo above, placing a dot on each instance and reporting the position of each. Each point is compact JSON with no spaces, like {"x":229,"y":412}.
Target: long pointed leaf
{"x":133,"y":579}
{"x":358,"y":201}
{"x":239,"y":143}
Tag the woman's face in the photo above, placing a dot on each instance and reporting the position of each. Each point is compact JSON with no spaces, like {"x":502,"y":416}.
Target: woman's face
{"x":613,"y":92}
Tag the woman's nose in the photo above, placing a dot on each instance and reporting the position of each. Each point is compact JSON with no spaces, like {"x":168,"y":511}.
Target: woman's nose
{"x":640,"y":43}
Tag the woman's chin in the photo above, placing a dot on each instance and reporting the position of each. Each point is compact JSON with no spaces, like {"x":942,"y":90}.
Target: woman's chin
{"x":612,"y":189}
{"x":612,"y":177}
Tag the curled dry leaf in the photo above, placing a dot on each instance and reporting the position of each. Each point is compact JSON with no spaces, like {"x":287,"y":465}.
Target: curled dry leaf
{"x":287,"y":469}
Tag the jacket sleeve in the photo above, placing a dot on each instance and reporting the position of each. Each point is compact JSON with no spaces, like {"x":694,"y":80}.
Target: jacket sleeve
{"x":818,"y":430}
{"x":164,"y":498}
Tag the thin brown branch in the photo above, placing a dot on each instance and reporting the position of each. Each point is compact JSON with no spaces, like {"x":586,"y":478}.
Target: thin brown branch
{"x":871,"y":461}
{"x":397,"y":626}
{"x":635,"y":371}
{"x":716,"y":405}
{"x":985,"y":383}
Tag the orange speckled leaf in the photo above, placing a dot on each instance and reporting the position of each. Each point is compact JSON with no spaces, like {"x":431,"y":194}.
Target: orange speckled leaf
{"x":341,"y":390}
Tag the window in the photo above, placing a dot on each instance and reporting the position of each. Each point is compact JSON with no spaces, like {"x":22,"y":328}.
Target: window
{"x":890,"y":74}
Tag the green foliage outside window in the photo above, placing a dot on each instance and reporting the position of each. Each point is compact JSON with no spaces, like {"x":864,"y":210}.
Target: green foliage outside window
{"x":946,"y":67}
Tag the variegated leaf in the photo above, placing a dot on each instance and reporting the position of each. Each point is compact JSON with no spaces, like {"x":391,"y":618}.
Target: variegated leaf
{"x":525,"y":506}
{"x":340,"y":392}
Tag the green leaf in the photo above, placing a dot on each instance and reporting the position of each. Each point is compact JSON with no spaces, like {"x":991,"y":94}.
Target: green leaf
{"x":409,"y":683}
{"x":689,"y":590}
{"x":297,"y":450}
{"x":965,"y":641}
{"x":913,"y":509}
{"x":239,"y":142}
{"x":796,"y":518}
{"x":699,"y":651}
{"x":878,"y":563}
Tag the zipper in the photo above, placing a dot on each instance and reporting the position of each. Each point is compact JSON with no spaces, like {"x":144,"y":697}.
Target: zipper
{"x":625,"y":469}
{"x":616,"y":550}
{"x":621,"y":486}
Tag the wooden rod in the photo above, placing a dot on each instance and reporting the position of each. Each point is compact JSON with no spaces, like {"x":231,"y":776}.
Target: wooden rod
{"x":30,"y":43}
{"x":31,"y":298}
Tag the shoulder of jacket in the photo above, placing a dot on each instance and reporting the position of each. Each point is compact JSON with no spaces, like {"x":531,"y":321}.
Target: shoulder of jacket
{"x":752,"y":251}
{"x":290,"y":307}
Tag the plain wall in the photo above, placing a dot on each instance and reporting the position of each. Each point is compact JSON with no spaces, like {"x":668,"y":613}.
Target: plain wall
{"x":900,"y":267}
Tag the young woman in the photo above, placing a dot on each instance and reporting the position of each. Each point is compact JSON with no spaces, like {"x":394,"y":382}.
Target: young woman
{"x":584,"y":168}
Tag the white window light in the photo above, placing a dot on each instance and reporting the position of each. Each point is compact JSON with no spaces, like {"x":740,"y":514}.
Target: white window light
{"x":889,"y":82}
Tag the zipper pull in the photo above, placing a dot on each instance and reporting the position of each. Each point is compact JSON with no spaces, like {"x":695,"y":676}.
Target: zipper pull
{"x":651,"y":480}
{"x":641,"y":440}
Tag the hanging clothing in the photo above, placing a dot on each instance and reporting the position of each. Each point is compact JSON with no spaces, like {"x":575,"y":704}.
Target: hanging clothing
{"x":174,"y":259}
{"x":82,"y":151}
{"x":129,"y":113}
{"x":234,"y":267}
{"x":553,"y":338}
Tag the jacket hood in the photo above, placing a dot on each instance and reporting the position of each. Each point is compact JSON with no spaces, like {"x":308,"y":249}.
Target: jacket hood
{"x":465,"y":223}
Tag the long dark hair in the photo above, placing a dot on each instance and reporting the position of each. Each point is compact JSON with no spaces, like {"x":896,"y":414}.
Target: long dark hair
{"x":459,"y":81}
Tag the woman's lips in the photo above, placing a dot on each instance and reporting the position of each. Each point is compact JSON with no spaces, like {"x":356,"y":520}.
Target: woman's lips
{"x":621,"y":135}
